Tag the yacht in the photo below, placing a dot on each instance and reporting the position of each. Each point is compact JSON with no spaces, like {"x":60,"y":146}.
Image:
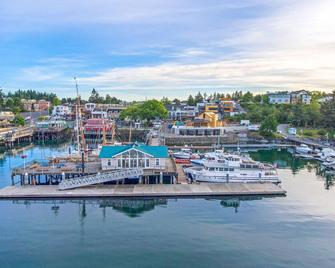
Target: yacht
{"x":303,"y":149}
{"x":232,"y":168}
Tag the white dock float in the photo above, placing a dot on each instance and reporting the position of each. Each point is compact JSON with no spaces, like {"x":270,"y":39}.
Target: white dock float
{"x":140,"y":190}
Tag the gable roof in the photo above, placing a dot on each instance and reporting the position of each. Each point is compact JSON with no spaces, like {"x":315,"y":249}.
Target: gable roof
{"x":155,"y":151}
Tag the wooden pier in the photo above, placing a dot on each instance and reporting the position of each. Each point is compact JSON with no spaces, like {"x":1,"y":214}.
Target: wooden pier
{"x":15,"y":136}
{"x":154,"y":190}
{"x":52,"y":134}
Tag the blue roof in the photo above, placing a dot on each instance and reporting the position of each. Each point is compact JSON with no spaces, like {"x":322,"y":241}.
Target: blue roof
{"x":155,"y":151}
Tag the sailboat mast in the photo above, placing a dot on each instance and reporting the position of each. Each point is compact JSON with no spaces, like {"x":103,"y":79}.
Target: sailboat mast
{"x":78,"y":117}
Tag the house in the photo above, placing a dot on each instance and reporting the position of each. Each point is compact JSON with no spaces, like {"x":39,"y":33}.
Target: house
{"x":61,"y":111}
{"x":280,"y":97}
{"x":114,"y":110}
{"x":41,"y":105}
{"x":229,"y":107}
{"x":208,"y":119}
{"x":99,"y":114}
{"x":90,"y":106}
{"x":182,"y":112}
{"x":28,"y":104}
{"x":300,"y":96}
{"x":6,"y":118}
{"x":285,"y":97}
{"x":133,"y":156}
{"x":325,"y":99}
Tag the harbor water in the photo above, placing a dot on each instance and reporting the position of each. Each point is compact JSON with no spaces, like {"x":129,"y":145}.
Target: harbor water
{"x":297,"y":230}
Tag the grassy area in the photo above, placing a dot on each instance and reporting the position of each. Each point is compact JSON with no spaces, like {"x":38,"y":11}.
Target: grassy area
{"x":311,"y":133}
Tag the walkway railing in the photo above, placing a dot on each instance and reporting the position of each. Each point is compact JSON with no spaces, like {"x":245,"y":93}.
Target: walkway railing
{"x":99,"y":178}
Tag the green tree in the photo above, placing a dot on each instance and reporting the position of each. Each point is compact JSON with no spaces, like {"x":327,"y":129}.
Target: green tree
{"x":56,"y":101}
{"x":148,"y":110}
{"x":166,"y":101}
{"x":268,"y":126}
{"x":328,"y":113}
{"x":18,"y":120}
{"x":191,"y":101}
{"x":199,"y":98}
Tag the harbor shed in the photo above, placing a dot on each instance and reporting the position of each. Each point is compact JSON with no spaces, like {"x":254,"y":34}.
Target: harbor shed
{"x":133,"y":156}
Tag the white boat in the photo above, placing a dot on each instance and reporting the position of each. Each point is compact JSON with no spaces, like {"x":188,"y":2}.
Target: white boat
{"x":185,"y":153}
{"x":303,"y":149}
{"x":232,"y":168}
{"x":326,"y":153}
{"x":199,"y":162}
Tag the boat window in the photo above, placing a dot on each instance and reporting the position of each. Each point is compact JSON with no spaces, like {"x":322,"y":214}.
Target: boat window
{"x":211,"y":169}
{"x":231,"y":169}
{"x":221,"y":169}
{"x":226,"y":169}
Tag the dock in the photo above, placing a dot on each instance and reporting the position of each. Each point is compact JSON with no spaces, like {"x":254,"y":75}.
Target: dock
{"x":140,"y":190}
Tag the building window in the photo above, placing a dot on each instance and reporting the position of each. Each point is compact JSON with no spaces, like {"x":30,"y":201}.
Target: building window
{"x":119,"y":163}
{"x":157,"y":162}
{"x":147,"y":162}
{"x":109,"y":162}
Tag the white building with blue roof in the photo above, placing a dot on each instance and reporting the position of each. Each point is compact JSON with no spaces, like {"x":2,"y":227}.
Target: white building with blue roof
{"x":133,"y":156}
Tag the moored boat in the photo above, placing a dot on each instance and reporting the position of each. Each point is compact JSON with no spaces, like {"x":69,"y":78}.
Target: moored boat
{"x":232,"y":168}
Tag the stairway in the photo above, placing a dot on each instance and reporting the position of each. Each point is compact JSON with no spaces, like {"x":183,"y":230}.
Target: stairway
{"x":100,"y":178}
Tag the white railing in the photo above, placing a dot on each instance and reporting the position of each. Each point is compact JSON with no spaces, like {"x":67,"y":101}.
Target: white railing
{"x":99,"y":178}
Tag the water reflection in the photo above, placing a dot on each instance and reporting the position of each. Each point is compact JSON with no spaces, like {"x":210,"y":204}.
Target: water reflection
{"x":131,"y":207}
{"x":284,"y":159}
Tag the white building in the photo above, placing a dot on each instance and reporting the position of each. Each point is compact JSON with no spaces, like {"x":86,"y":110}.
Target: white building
{"x":61,"y":111}
{"x":90,"y":106}
{"x":132,"y":156}
{"x":99,"y":114}
{"x":279,"y":98}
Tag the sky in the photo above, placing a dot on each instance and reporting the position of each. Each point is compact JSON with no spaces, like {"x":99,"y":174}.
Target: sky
{"x":135,"y":49}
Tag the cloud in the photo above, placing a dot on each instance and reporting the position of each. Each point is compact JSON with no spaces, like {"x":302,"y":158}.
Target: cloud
{"x":174,"y":48}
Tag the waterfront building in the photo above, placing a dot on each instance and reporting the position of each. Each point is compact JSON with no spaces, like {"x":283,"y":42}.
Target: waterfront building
{"x":89,"y":107}
{"x":99,"y":114}
{"x":61,"y":111}
{"x":98,"y":131}
{"x":49,"y":124}
{"x":6,"y":118}
{"x":133,"y":156}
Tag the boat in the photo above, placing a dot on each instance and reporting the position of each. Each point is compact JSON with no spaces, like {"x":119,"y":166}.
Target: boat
{"x":224,"y":167}
{"x":185,"y":153}
{"x":303,"y":149}
{"x":198,"y":162}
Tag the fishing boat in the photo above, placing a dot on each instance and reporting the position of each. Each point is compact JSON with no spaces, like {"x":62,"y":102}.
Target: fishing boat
{"x":224,"y":168}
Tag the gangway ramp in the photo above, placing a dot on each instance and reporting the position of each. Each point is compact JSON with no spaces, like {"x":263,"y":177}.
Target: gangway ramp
{"x":99,"y":178}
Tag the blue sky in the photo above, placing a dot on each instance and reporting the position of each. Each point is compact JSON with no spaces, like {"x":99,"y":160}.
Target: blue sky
{"x":142,"y":49}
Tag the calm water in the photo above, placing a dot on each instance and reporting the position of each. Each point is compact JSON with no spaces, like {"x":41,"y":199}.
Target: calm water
{"x":293,"y":231}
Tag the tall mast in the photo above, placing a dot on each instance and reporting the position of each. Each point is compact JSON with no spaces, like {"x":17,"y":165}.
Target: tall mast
{"x":78,"y":119}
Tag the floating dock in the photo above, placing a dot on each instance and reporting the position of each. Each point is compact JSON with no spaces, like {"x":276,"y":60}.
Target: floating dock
{"x":140,"y":190}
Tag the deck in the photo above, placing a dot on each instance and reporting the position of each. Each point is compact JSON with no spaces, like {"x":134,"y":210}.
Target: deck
{"x":152,"y":190}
